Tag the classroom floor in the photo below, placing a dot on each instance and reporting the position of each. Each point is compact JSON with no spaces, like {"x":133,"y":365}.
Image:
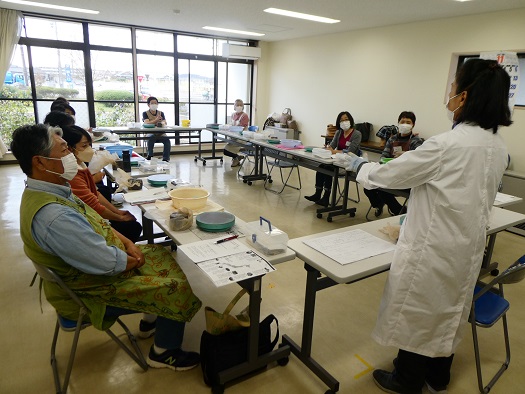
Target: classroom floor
{"x":345,"y":315}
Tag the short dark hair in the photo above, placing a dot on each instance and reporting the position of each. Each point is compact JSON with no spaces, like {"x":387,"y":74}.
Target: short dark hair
{"x":32,"y":140}
{"x":407,"y":115}
{"x":61,"y":106}
{"x":487,"y":85}
{"x":73,"y":134}
{"x":151,"y":98}
{"x":59,"y":118}
{"x":338,"y":120}
{"x":60,"y":99}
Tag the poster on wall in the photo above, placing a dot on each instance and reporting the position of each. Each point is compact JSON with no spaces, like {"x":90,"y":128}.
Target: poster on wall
{"x":509,"y":61}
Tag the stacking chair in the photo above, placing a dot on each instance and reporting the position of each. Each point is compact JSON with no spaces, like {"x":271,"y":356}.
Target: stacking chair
{"x":341,"y":191}
{"x":280,"y":164}
{"x":135,"y":353}
{"x":488,"y":307}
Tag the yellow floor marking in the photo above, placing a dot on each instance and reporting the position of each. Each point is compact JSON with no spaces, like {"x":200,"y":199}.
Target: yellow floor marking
{"x":367,"y":370}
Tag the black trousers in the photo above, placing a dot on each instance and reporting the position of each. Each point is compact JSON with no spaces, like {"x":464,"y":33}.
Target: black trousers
{"x":130,"y":230}
{"x":378,"y":198}
{"x":412,"y":370}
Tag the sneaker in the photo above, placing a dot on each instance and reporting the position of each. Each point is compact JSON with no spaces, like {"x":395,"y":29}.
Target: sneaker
{"x":146,"y":329}
{"x":177,"y":360}
{"x":386,"y":381}
{"x":437,"y":390}
{"x":236,"y":162}
{"x":148,"y":157}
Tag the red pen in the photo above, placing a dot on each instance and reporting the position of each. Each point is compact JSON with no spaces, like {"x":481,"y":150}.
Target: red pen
{"x":220,"y":241}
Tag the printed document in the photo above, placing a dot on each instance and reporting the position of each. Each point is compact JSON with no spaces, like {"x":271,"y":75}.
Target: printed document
{"x":350,"y":246}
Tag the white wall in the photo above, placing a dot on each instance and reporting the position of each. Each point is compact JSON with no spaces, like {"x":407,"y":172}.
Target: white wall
{"x":377,"y":73}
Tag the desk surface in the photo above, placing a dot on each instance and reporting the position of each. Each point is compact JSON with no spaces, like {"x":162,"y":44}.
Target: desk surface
{"x":500,"y":219}
{"x":123,"y":130}
{"x":187,"y":236}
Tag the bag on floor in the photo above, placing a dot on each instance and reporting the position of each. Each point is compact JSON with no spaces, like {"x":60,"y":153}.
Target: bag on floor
{"x":224,"y":351}
{"x":218,"y":323}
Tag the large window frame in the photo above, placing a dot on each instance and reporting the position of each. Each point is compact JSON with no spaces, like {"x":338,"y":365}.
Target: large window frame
{"x":138,"y":98}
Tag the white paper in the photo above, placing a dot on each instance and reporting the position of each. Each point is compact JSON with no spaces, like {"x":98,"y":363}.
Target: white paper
{"x":146,"y":195}
{"x":502,"y":199}
{"x":235,"y":267}
{"x":350,"y":246}
{"x":235,"y":230}
{"x":206,"y":250}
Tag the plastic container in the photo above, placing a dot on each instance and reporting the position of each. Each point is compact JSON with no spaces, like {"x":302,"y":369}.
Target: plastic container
{"x":186,"y":122}
{"x":253,"y":128}
{"x":323,"y":153}
{"x":290,"y":143}
{"x":248,"y":134}
{"x":265,"y":238}
{"x":189,"y":197}
{"x":236,"y":129}
{"x":118,"y":148}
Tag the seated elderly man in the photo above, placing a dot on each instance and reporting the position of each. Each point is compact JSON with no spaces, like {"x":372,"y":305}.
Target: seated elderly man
{"x":111,"y":274}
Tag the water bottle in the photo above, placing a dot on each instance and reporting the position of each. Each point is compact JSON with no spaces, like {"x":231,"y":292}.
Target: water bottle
{"x":126,"y":161}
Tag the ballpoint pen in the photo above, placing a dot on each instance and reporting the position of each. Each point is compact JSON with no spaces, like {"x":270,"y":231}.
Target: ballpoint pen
{"x":220,"y":241}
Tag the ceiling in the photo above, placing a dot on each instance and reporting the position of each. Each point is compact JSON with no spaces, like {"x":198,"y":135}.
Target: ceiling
{"x":192,"y":15}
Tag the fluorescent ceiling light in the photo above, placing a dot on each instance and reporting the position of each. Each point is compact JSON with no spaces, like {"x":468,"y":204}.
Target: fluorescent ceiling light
{"x":300,"y":15}
{"x":55,"y":7}
{"x":247,"y":33}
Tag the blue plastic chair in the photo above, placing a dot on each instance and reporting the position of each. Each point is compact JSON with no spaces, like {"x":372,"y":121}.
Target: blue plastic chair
{"x":488,"y":307}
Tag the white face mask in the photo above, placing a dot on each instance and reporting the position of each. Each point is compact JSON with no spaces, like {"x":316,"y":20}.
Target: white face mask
{"x":345,"y":125}
{"x":86,"y":155}
{"x":153,"y":107}
{"x":238,"y":109}
{"x":69,"y":163}
{"x":450,"y":113}
{"x":404,"y":129}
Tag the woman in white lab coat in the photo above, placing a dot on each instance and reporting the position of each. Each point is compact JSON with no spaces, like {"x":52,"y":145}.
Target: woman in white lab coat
{"x":454,"y":178}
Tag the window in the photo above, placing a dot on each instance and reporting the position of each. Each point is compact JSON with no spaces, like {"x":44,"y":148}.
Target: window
{"x":96,"y":74}
{"x":53,"y":29}
{"x":110,"y":36}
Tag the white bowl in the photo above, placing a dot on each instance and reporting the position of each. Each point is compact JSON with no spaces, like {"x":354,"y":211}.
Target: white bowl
{"x":189,"y":197}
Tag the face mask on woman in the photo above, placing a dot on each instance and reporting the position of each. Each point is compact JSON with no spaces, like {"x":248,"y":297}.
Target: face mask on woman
{"x":153,"y":107}
{"x":450,"y":113}
{"x":345,"y":125}
{"x":238,"y":109}
{"x":85,"y":155}
{"x":404,"y":129}
{"x":69,"y":163}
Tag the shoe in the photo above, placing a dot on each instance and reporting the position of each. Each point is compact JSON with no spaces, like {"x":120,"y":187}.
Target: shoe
{"x":166,"y":160}
{"x":146,"y":329}
{"x":378,"y":212}
{"x":236,"y":162}
{"x":177,"y":360}
{"x":385,"y":381}
{"x":324,"y":201}
{"x":438,"y":390}
{"x":314,"y":197}
{"x":148,"y":157}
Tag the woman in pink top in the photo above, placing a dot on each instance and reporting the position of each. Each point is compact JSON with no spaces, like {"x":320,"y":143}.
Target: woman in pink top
{"x":238,"y":118}
{"x":83,"y":185}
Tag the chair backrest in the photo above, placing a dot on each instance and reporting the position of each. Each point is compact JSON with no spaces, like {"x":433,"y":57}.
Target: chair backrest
{"x":515,"y":273}
{"x":47,"y":274}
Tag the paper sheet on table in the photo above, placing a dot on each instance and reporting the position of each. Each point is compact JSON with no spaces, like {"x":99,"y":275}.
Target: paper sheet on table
{"x":147,"y":195}
{"x":235,"y":267}
{"x":350,"y":246}
{"x":502,"y":198}
{"x":206,"y":250}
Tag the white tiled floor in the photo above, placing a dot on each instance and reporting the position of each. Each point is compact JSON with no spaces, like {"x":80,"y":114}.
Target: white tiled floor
{"x":345,"y":315}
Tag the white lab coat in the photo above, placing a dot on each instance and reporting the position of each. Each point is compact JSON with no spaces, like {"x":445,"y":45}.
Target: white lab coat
{"x":454,"y":178}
